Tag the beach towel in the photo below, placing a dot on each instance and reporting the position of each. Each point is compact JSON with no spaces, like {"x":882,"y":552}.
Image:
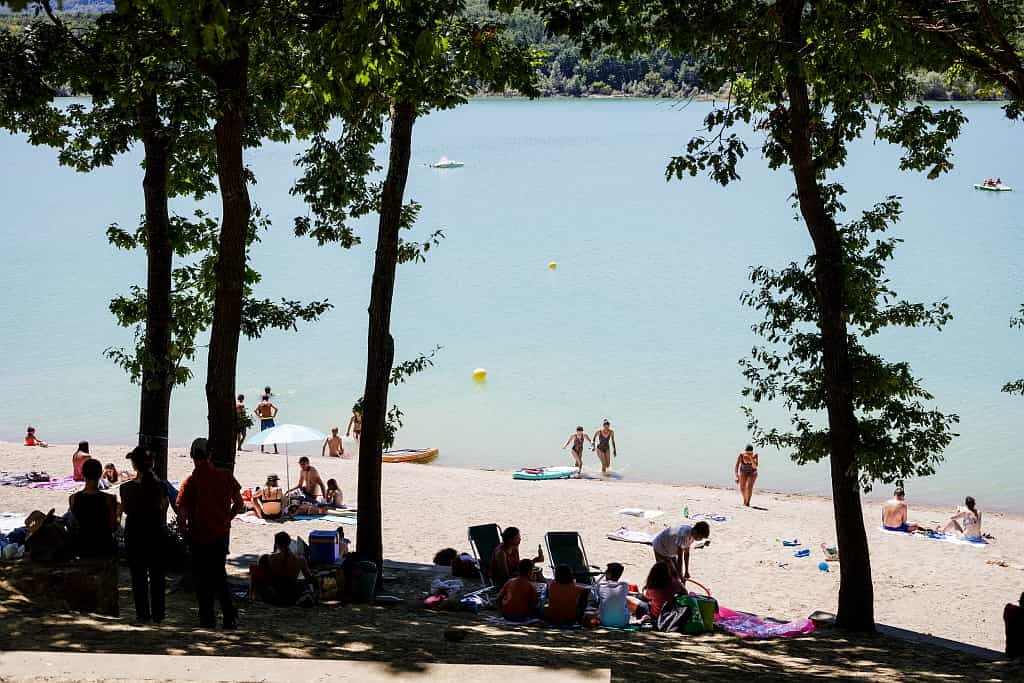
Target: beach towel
{"x":708,"y":517}
{"x":752,"y":626}
{"x":638,"y":512}
{"x":9,"y":521}
{"x":250,"y":519}
{"x":933,"y":536}
{"x":22,"y":478}
{"x":63,"y":484}
{"x":624,"y":534}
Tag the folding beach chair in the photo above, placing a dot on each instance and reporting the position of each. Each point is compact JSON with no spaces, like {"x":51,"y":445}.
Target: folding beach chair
{"x":483,"y":539}
{"x":566,"y":547}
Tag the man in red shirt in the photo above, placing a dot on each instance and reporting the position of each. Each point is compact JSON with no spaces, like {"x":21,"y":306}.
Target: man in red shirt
{"x":208,"y":501}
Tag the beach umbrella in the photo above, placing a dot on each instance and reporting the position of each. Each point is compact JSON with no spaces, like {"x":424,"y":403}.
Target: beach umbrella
{"x":284,"y":435}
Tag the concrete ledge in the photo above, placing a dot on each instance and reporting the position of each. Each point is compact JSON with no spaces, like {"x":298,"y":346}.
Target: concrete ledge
{"x":72,"y":666}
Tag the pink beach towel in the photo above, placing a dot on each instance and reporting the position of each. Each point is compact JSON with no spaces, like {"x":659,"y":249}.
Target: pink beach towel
{"x":62,"y":484}
{"x":752,"y":626}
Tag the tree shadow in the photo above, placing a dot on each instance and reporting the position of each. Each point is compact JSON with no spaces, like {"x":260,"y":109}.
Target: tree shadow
{"x":404,"y":637}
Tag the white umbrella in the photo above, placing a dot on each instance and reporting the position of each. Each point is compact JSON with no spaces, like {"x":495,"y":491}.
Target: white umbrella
{"x":285,"y":434}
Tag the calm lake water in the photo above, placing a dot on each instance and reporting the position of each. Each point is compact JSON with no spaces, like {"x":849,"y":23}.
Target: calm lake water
{"x":640,"y":323}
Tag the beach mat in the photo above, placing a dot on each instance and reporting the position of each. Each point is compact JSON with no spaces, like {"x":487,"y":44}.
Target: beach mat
{"x":641,"y":513}
{"x":945,"y":538}
{"x":752,"y":626}
{"x":22,"y":479}
{"x":63,"y":484}
{"x":627,"y":536}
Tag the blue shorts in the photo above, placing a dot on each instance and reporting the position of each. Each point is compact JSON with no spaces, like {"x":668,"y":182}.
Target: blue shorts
{"x":266,"y":423}
{"x":902,"y":527}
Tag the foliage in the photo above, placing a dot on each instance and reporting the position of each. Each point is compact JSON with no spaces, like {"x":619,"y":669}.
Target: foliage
{"x":898,"y":436}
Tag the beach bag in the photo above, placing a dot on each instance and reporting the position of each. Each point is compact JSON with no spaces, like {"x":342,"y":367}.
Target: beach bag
{"x":673,"y":618}
{"x":699,"y":609}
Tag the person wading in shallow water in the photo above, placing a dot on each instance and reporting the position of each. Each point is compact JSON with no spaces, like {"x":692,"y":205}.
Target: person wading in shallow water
{"x":602,"y":438}
{"x":576,"y":439}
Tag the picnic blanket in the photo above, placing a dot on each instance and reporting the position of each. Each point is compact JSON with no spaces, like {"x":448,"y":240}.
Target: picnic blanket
{"x":638,"y":512}
{"x":933,"y":536}
{"x":22,"y":478}
{"x":627,"y":536}
{"x":63,"y":484}
{"x":9,"y":521}
{"x":752,"y":626}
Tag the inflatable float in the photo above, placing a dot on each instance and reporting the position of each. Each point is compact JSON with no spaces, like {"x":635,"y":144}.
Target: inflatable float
{"x":420,"y":455}
{"x":541,"y":473}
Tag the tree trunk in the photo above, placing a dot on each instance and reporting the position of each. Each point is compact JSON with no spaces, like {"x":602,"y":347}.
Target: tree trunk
{"x":856,"y":594}
{"x":380,"y":354}
{"x":231,"y":80}
{"x":158,"y":365}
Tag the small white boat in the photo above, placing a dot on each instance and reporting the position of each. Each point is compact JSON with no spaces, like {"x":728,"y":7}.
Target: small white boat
{"x":445,"y":162}
{"x":992,"y":187}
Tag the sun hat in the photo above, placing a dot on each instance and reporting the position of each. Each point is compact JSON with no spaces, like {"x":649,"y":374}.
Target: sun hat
{"x":35,"y":521}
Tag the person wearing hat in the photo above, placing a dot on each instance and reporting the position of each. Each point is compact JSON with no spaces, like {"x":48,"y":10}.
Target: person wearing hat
{"x":144,"y":504}
{"x":208,"y":501}
{"x":267,"y":502}
{"x":95,"y":514}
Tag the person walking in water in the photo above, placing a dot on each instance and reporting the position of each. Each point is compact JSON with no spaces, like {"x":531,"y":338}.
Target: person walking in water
{"x":355,"y":423}
{"x":266,"y":411}
{"x":746,"y":473}
{"x":576,"y":439}
{"x":600,"y":442}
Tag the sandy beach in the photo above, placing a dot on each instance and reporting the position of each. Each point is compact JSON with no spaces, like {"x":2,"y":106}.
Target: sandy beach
{"x":925,"y":586}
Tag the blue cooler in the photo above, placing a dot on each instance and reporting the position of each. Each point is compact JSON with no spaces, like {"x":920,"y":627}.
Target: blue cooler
{"x":324,"y":547}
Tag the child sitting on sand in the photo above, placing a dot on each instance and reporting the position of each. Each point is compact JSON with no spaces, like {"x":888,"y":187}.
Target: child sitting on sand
{"x":32,"y":440}
{"x":660,"y":588}
{"x":566,"y":600}
{"x":333,"y":497}
{"x":611,"y":595}
{"x":518,"y":598}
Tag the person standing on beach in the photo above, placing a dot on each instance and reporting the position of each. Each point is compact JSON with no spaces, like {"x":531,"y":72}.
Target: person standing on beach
{"x":600,"y":442}
{"x":576,"y":439}
{"x":144,"y":504}
{"x":242,"y":421}
{"x":746,"y":473}
{"x":266,"y":411}
{"x":672,"y":546}
{"x":355,"y":423}
{"x":208,"y":501}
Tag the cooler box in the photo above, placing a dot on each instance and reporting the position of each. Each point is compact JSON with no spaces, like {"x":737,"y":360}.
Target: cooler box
{"x":324,"y":547}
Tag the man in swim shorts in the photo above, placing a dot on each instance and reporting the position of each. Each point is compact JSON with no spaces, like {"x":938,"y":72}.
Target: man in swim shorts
{"x":266,"y":411}
{"x":334,"y":443}
{"x":894,"y":514}
{"x":309,"y":480}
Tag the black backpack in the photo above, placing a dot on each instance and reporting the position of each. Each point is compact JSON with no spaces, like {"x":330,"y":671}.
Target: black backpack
{"x":672,"y":618}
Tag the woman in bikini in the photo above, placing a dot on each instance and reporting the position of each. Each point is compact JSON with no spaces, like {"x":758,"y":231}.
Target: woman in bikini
{"x":355,"y":423}
{"x":268,"y":501}
{"x":746,"y":473}
{"x":600,"y":442}
{"x":967,"y":521}
{"x":576,"y":439}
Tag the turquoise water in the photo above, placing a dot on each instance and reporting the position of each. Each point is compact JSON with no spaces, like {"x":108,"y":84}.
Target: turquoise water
{"x":640,"y":323}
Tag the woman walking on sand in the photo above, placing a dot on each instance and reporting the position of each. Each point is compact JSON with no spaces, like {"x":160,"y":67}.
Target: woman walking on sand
{"x":576,"y":439}
{"x":746,"y":473}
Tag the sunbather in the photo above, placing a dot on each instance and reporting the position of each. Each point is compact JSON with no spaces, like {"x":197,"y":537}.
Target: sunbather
{"x":333,"y":493}
{"x":967,"y":521}
{"x":78,"y":459}
{"x":518,"y":598}
{"x":32,"y":440}
{"x":505,"y":560}
{"x":894,"y":514}
{"x":566,"y":600}
{"x":611,"y":594}
{"x":283,"y":568}
{"x":267,"y":501}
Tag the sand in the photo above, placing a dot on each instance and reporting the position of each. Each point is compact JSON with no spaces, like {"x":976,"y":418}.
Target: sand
{"x":927,"y":587}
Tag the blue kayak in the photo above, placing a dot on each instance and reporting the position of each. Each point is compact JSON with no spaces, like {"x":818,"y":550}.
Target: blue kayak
{"x":541,"y":473}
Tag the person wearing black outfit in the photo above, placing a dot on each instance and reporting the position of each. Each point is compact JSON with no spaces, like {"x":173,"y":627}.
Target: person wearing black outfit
{"x":144,"y":503}
{"x":95,"y":515}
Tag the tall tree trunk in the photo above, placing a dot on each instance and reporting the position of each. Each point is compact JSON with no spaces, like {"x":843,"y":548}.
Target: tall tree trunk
{"x":158,"y":365}
{"x":231,"y":80}
{"x":380,"y":354}
{"x":856,"y":594}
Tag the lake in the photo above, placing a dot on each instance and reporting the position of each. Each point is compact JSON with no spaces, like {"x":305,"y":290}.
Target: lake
{"x":640,"y":322}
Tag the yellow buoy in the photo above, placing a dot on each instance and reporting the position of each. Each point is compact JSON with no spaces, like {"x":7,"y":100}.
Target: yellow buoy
{"x":552,"y":265}
{"x":479,"y":375}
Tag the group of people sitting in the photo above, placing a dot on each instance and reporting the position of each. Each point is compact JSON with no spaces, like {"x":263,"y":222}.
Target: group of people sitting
{"x":270,"y":500}
{"x":110,"y":475}
{"x":965,"y":521}
{"x":524,"y":593}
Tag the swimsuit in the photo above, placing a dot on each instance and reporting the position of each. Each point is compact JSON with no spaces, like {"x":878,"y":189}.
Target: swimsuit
{"x":266,"y":423}
{"x":577,"y":445}
{"x":902,"y":527}
{"x":747,"y":468}
{"x":602,"y":442}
